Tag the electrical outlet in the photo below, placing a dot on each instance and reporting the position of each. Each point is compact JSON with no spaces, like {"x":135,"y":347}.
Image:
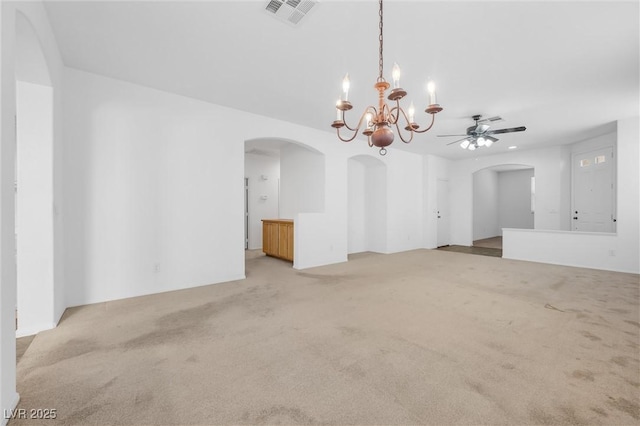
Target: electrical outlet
{"x":156,"y":268}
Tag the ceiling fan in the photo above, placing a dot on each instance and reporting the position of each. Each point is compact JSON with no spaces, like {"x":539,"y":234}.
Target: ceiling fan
{"x":479,"y":134}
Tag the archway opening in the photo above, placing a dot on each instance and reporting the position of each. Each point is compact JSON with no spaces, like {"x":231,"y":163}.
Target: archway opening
{"x":503,"y":197}
{"x":283,"y":178}
{"x":34,"y":184}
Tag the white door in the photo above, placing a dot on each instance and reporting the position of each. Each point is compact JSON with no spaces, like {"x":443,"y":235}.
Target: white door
{"x":592,"y":207}
{"x":443,"y":238}
{"x":246,"y":213}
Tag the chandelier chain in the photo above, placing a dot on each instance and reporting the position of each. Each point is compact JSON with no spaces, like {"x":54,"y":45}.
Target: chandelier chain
{"x":380,"y":61}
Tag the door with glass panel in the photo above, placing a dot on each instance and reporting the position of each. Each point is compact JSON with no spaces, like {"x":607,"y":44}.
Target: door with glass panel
{"x":593,"y":194}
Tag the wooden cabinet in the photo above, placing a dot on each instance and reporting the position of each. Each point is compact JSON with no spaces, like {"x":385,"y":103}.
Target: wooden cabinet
{"x":277,"y":238}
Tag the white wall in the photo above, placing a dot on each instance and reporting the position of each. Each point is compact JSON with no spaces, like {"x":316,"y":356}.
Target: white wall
{"x":264,"y":173}
{"x":323,"y":238}
{"x":36,"y":15}
{"x":485,"y":204}
{"x":367,"y":204}
{"x":155,"y":195}
{"x":302,"y":181}
{"x":8,"y":395}
{"x":404,"y":201}
{"x":628,"y":199}
{"x":616,"y":252}
{"x":598,"y":142}
{"x":27,"y":70}
{"x":514,"y":199}
{"x":154,"y":191}
{"x":552,"y":168}
{"x":376,"y":214}
{"x":357,"y":238}
{"x":34,"y":213}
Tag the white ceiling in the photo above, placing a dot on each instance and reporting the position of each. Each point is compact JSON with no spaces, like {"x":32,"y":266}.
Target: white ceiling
{"x":565,"y":70}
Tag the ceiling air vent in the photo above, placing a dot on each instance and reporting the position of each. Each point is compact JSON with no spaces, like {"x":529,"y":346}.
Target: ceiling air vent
{"x":290,"y":11}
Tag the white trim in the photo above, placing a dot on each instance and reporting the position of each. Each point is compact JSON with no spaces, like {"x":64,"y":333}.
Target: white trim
{"x":16,"y":400}
{"x":594,"y":250}
{"x":556,"y":231}
{"x":30,"y":331}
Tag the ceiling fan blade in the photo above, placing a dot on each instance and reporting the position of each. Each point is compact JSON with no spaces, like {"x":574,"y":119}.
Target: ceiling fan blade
{"x":459,"y":140}
{"x":481,"y":128}
{"x":490,"y":119}
{"x":448,"y":136}
{"x":511,"y":130}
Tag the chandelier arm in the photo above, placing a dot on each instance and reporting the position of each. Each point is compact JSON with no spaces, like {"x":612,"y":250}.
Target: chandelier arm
{"x":349,"y":127}
{"x":397,"y":110}
{"x":353,"y":130}
{"x":400,"y":131}
{"x":388,"y":113}
{"x":356,"y":130}
{"x":348,"y":139}
{"x":433,"y":119}
{"x":371,"y":109}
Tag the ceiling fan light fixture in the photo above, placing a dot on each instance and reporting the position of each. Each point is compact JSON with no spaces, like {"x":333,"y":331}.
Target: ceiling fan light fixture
{"x":480,"y":135}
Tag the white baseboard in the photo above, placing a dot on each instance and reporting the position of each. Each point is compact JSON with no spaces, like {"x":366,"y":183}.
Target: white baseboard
{"x":35,"y":329}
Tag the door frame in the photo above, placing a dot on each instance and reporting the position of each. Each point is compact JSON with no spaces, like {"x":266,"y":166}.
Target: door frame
{"x":442,"y":211}
{"x":611,"y":149}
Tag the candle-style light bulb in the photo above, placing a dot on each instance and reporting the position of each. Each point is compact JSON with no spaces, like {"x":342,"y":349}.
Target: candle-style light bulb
{"x":338,"y":116}
{"x":368,"y":118}
{"x":412,"y":112}
{"x":395,"y":74}
{"x":431,"y":88}
{"x":345,"y":87}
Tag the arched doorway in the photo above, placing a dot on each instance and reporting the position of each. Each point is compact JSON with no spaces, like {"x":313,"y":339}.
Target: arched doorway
{"x":503,"y":197}
{"x":283,"y":178}
{"x":34,"y":184}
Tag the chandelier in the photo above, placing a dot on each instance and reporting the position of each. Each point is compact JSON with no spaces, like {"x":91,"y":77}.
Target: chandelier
{"x":376,"y":122}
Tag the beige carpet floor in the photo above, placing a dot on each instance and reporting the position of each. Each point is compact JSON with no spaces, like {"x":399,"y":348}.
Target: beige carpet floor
{"x":22,"y":344}
{"x":422,"y":337}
